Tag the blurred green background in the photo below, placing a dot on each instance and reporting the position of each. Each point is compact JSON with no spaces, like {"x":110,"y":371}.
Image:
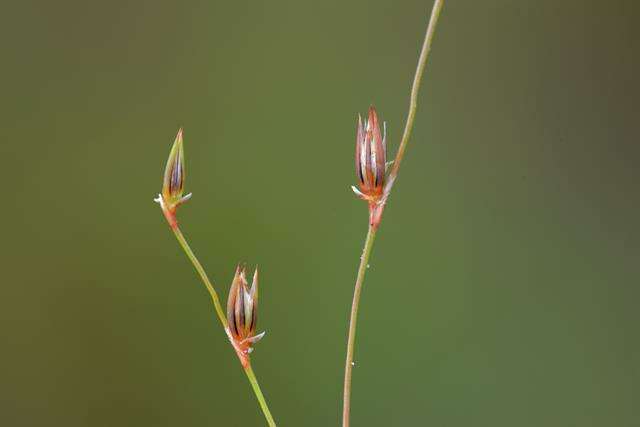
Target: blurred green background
{"x":503,"y":288}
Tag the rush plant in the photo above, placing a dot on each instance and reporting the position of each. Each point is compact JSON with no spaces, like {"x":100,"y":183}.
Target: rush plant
{"x":239,"y":322}
{"x":375,"y":179}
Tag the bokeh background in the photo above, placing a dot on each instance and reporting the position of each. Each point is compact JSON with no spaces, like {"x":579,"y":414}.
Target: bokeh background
{"x":503,"y":288}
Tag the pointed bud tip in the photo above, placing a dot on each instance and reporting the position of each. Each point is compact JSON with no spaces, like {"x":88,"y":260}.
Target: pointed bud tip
{"x":373,"y":116}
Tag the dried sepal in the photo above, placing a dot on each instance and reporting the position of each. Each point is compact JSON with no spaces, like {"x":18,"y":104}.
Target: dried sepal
{"x":172,"y":194}
{"x":242,"y":310}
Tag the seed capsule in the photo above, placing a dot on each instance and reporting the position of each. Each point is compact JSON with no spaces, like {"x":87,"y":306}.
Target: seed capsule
{"x":371,"y":157}
{"x":242,"y":312}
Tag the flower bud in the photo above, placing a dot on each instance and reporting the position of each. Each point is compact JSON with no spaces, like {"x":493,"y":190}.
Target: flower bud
{"x":371,"y":157}
{"x":173,"y":183}
{"x":242,"y":311}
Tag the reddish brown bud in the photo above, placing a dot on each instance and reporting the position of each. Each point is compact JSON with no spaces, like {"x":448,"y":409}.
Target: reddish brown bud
{"x":371,"y":156}
{"x":242,"y":312}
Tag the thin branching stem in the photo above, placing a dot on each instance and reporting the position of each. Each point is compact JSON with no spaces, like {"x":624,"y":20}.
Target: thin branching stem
{"x":371,"y":233}
{"x":223,"y":320}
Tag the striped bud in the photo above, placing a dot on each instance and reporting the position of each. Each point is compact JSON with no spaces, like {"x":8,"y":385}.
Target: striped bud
{"x":173,"y":183}
{"x":242,"y":311}
{"x":371,"y":164}
{"x":371,"y":153}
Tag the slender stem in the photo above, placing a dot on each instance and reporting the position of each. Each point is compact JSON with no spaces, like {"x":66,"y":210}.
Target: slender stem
{"x":203,"y":275}
{"x":256,"y":389}
{"x":221,"y":315}
{"x":373,"y":226}
{"x":348,"y":366}
{"x":415,"y":88}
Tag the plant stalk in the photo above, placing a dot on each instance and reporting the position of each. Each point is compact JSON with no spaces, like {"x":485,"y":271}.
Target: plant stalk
{"x":415,"y":89}
{"x":261,"y":400}
{"x":348,"y":366}
{"x":373,"y":226}
{"x":223,"y":319}
{"x":203,"y":275}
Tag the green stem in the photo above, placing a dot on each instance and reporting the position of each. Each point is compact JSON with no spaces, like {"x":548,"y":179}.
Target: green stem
{"x":256,"y":388}
{"x":415,"y":88}
{"x":223,"y":319}
{"x":368,"y":244}
{"x":203,"y":275}
{"x":348,"y":366}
